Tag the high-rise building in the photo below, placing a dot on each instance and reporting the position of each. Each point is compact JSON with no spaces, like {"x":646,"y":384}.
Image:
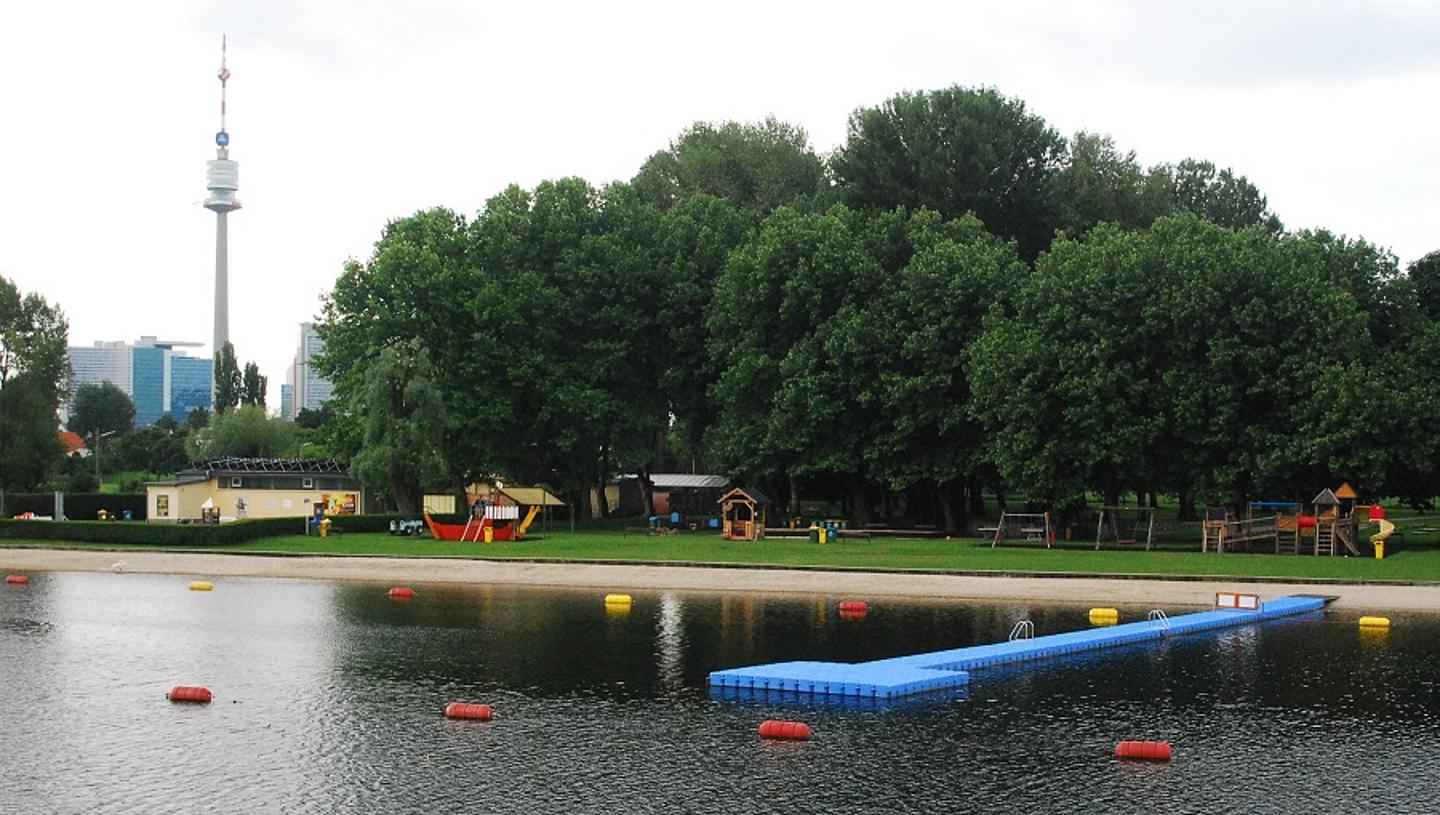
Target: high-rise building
{"x":308,"y":389}
{"x":158,"y":378}
{"x":287,"y":401}
{"x":190,"y":379}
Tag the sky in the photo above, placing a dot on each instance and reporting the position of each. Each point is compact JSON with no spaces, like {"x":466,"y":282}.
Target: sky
{"x":346,"y":115}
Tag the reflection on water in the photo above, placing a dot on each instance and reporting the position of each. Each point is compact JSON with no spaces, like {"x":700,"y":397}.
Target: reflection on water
{"x":328,"y":698}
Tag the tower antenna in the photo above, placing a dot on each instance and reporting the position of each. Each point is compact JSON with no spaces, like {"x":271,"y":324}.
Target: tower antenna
{"x":224,"y":78}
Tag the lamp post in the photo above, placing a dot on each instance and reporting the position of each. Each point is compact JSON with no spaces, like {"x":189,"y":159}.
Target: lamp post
{"x":96,"y":452}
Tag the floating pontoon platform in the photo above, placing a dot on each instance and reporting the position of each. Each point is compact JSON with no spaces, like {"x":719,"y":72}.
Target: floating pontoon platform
{"x":900,"y":677}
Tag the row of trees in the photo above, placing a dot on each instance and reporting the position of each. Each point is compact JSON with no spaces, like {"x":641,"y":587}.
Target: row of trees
{"x":956,"y":298}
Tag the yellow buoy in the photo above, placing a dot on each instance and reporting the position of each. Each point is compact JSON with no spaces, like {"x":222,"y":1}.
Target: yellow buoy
{"x":201,"y":585}
{"x":1104,"y":616}
{"x":1374,"y":622}
{"x":617,"y":599}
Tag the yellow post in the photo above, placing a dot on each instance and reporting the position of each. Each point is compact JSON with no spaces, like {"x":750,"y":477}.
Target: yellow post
{"x":1379,"y":550}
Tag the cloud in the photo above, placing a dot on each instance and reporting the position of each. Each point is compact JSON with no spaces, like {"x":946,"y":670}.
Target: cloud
{"x":1235,"y":43}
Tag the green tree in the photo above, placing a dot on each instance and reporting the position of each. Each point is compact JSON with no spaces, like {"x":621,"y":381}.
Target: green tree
{"x":695,"y":240}
{"x":99,"y":409}
{"x":34,"y":370}
{"x":1425,"y":277}
{"x":244,"y":432}
{"x":1219,"y":196}
{"x":312,"y":419}
{"x":197,"y":419}
{"x":252,"y":389}
{"x":955,"y":151}
{"x":1098,"y":183}
{"x":155,"y":449}
{"x":404,"y":424}
{"x":228,"y":384}
{"x":757,"y":167}
{"x":911,"y":341}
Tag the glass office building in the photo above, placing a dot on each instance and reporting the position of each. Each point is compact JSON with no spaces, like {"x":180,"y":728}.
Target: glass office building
{"x":158,"y":378}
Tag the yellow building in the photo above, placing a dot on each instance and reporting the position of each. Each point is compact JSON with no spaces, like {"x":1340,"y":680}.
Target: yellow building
{"x":235,"y":488}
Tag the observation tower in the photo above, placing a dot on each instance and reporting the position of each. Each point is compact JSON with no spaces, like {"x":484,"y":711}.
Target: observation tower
{"x":222,"y":179}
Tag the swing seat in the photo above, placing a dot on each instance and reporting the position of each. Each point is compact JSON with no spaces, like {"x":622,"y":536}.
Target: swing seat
{"x":1125,"y":541}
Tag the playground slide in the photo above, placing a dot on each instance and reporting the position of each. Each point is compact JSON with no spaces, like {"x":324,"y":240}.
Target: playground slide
{"x":1386,"y":530}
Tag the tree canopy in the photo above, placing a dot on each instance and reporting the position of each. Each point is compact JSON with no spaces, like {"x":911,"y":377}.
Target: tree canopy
{"x":244,"y":432}
{"x":102,"y":408}
{"x":757,"y":167}
{"x":34,"y":370}
{"x":228,"y":383}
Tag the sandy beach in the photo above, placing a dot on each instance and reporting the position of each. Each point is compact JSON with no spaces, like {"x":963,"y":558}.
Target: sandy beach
{"x":621,"y":577}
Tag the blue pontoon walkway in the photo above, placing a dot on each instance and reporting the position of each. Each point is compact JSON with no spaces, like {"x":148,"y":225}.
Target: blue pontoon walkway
{"x":898,"y":677}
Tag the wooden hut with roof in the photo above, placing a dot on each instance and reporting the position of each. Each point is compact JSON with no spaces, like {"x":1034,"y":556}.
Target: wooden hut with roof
{"x":742,"y":514}
{"x":1335,"y":521}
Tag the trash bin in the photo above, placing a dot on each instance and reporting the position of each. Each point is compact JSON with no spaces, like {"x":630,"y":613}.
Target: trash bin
{"x":824,"y":534}
{"x":814,"y":533}
{"x":489,"y":534}
{"x":325,"y":528}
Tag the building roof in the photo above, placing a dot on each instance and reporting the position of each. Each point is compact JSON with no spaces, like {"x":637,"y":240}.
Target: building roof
{"x":263,"y":466}
{"x":1346,"y":492}
{"x":72,"y":441}
{"x":178,"y":482}
{"x":749,"y":492}
{"x":688,"y":481}
{"x":1326,"y":498}
{"x":531,"y":497}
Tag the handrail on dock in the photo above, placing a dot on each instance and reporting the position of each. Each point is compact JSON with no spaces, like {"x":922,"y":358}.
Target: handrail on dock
{"x":1023,"y":630}
{"x":1157,"y":618}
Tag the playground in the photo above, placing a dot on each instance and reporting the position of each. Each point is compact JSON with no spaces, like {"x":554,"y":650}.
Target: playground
{"x":1419,"y":561}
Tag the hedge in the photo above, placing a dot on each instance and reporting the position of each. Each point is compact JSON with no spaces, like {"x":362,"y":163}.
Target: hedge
{"x":190,"y":535}
{"x":78,"y":505}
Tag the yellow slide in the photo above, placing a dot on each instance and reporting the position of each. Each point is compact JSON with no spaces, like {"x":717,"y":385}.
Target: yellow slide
{"x":1378,"y":539}
{"x":530,"y":518}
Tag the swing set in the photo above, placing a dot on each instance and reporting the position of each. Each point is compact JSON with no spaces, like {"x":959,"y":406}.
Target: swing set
{"x":1028,"y":526}
{"x":1138,"y":521}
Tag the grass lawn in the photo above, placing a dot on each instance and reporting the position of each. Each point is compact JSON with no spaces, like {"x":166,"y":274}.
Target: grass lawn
{"x":967,"y":555}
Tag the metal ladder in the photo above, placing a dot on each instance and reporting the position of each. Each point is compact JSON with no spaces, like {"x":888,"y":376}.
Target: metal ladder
{"x":1023,"y":630}
{"x":1158,"y":619}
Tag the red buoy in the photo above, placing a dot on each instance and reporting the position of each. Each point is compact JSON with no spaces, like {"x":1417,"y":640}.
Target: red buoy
{"x":402,"y":593}
{"x":17,"y":579}
{"x":467,"y":710}
{"x":1144,"y":750}
{"x":854,"y":605}
{"x":774,"y":729}
{"x":188,"y":693}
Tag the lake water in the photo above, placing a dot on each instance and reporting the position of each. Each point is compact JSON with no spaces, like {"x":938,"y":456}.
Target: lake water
{"x":328,"y":698}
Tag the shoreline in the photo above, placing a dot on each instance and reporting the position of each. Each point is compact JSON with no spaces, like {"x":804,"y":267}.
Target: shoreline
{"x":1078,"y":590}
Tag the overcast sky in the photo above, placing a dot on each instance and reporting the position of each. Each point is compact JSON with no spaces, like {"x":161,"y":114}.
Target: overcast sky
{"x":344,"y":115}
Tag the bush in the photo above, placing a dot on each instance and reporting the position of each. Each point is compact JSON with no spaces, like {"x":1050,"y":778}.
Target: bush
{"x":145,"y":534}
{"x":79,"y":506}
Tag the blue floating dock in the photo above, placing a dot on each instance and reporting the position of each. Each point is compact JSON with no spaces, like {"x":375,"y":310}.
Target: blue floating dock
{"x":900,"y":677}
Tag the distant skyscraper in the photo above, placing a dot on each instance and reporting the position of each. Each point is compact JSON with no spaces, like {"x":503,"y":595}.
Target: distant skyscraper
{"x":158,"y":378}
{"x":287,"y":401}
{"x":222,"y":179}
{"x":308,"y":389}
